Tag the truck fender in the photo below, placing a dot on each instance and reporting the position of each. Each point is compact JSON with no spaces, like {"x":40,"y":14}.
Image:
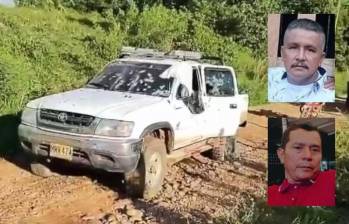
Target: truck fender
{"x":169,"y":135}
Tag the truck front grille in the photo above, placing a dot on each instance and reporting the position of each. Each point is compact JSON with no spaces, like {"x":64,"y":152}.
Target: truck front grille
{"x":67,"y":121}
{"x":68,"y":118}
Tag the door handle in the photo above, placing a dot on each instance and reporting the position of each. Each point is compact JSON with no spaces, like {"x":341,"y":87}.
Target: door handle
{"x":233,"y":106}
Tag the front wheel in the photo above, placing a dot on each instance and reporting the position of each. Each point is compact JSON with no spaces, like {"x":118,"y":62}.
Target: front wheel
{"x":146,"y":180}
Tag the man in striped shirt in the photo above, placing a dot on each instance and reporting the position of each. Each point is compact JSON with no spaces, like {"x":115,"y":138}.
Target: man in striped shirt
{"x":302,"y":79}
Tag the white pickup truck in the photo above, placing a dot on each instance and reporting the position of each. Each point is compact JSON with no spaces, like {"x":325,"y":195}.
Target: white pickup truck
{"x":142,"y":111}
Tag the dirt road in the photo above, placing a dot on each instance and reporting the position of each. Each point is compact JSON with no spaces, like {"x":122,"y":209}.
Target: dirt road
{"x":194,"y":191}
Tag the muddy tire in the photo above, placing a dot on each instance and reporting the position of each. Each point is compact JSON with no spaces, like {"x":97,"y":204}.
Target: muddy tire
{"x":40,"y":169}
{"x":226,"y":150}
{"x":146,"y":181}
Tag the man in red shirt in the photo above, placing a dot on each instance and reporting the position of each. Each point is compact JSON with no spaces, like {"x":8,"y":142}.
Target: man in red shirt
{"x":304,"y":183}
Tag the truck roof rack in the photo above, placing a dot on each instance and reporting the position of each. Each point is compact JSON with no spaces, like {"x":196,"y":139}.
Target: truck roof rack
{"x":175,"y":54}
{"x":213,"y":60}
{"x":185,"y":55}
{"x":140,"y":52}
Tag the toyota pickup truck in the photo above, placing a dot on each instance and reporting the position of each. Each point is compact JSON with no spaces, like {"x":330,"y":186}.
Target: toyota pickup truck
{"x":143,"y":111}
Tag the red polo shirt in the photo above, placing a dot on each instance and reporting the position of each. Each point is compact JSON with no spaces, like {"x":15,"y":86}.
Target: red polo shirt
{"x":317,"y":192}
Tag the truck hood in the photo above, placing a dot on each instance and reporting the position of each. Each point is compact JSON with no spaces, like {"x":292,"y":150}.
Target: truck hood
{"x":96,"y":102}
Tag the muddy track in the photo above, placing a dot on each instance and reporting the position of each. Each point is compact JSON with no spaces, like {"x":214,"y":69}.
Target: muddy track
{"x":193,"y":192}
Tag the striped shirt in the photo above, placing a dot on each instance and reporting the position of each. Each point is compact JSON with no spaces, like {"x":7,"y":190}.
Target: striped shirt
{"x":280,"y":90}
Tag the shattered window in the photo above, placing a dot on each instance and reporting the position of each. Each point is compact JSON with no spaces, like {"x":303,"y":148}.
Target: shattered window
{"x":134,"y":77}
{"x":219,"y":82}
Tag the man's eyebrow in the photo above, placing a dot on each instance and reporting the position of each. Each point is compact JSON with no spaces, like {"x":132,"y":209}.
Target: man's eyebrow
{"x":315,"y":145}
{"x":311,"y":46}
{"x":297,"y":44}
{"x":302,"y":143}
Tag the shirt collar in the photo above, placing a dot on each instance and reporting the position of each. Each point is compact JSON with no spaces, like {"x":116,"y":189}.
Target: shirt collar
{"x":316,"y":85}
{"x":285,"y":185}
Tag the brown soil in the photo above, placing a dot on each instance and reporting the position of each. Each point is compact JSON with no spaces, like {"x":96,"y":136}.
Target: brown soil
{"x":193,"y":192}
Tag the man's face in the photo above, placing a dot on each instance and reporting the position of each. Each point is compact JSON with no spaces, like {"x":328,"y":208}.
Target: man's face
{"x":302,"y":54}
{"x":301,"y":156}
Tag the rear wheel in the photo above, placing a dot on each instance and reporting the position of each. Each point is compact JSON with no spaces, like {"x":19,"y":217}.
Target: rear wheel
{"x":226,"y":150}
{"x":147,"y":179}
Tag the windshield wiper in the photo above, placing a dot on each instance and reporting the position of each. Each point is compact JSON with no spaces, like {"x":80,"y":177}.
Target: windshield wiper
{"x":99,"y":85}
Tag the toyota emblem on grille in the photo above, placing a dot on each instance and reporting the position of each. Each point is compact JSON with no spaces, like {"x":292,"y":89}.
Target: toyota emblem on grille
{"x":63,"y":117}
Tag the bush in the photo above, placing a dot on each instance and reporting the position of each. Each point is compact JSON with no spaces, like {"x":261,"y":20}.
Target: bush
{"x":342,"y":157}
{"x":158,"y":27}
{"x":45,"y":52}
{"x":341,"y":83}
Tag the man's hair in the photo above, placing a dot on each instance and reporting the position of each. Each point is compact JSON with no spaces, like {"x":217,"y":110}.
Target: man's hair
{"x":307,"y":24}
{"x":286,"y":136}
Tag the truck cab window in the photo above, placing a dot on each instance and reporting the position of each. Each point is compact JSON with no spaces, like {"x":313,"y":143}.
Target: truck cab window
{"x":219,"y":82}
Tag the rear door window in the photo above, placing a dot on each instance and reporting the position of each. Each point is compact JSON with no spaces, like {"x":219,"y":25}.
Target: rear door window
{"x":219,"y":82}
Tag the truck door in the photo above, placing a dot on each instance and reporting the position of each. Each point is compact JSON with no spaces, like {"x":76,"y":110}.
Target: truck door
{"x":221,"y":102}
{"x":188,"y":111}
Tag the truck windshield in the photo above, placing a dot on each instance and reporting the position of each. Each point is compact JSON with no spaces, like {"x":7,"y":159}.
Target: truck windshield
{"x":134,"y":77}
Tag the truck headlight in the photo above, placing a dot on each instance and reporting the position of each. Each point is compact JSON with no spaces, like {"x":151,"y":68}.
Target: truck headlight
{"x":29,"y":116}
{"x":114,"y":128}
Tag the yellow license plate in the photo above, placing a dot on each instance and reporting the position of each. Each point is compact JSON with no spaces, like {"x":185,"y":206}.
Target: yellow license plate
{"x":61,"y":151}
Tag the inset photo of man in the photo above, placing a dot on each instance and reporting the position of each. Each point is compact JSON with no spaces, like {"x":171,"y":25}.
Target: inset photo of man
{"x":301,"y":58}
{"x":301,"y":162}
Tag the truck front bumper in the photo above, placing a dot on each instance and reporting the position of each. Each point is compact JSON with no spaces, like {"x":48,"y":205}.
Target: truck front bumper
{"x":112,"y":155}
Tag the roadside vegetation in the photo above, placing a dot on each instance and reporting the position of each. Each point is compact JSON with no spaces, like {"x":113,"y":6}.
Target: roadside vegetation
{"x":342,"y":78}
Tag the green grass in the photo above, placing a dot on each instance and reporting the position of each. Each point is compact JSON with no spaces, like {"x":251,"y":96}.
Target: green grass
{"x":256,"y":89}
{"x":341,"y":83}
{"x":44,"y":52}
{"x":252,"y":77}
{"x":342,"y":161}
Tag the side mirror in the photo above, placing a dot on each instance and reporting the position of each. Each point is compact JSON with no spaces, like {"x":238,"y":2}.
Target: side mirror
{"x":182,"y":92}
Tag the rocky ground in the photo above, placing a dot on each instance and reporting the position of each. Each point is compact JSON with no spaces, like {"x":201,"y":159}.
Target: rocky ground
{"x":196,"y":190}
